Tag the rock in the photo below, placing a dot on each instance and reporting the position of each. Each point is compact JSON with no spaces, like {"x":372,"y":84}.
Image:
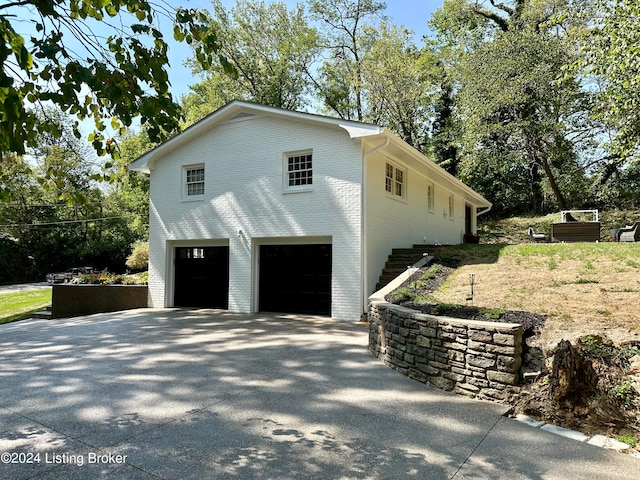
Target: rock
{"x":606,"y":442}
{"x":634,"y":364}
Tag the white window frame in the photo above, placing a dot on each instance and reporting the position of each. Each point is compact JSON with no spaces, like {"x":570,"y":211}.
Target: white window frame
{"x":397,"y":179}
{"x":286,"y":177}
{"x":452,"y":206}
{"x":431,"y":197}
{"x":186,"y":169}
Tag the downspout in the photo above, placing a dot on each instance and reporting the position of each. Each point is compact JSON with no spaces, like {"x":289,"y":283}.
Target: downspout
{"x":364,"y":284}
{"x":482,"y":212}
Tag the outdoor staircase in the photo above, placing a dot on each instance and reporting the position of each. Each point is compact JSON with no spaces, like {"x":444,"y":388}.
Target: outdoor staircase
{"x":399,"y":260}
{"x":45,"y":314}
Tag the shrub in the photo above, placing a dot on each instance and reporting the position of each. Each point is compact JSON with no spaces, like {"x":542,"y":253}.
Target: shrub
{"x":139,"y":258}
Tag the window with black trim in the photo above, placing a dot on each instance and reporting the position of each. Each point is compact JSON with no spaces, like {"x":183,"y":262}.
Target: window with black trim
{"x":395,"y":180}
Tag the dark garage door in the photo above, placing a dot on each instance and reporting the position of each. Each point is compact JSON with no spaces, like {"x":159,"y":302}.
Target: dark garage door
{"x":295,"y":279}
{"x":202,"y":277}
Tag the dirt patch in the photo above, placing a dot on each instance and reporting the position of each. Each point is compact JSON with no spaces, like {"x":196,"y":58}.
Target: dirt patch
{"x":614,"y":409}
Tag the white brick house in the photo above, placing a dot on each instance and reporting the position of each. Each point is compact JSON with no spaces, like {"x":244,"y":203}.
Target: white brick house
{"x":260,"y":209}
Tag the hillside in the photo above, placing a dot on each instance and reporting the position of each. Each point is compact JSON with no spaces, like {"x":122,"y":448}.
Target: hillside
{"x":586,"y":293}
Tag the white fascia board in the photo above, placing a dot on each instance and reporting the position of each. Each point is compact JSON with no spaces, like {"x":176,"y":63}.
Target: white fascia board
{"x":146,"y":162}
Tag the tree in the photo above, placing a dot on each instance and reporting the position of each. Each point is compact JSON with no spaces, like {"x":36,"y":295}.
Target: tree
{"x":340,"y":80}
{"x":63,"y":61}
{"x":507,"y":59}
{"x":396,"y":89}
{"x":271,"y":49}
{"x":611,"y":54}
{"x":511,"y":90}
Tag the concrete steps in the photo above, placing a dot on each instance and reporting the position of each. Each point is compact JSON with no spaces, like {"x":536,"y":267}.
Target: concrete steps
{"x":399,"y":260}
{"x":45,"y":314}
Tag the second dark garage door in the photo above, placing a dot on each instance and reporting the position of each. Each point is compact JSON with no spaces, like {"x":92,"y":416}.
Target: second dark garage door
{"x":295,"y":278}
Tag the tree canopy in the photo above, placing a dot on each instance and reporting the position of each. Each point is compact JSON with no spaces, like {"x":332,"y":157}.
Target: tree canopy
{"x":64,"y":58}
{"x":533,"y":103}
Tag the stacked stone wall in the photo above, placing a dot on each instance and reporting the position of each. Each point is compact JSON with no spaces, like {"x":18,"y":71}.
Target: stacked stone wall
{"x":479,"y":359}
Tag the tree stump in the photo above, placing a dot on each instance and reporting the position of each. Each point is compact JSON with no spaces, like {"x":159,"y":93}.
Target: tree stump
{"x":573,"y":380}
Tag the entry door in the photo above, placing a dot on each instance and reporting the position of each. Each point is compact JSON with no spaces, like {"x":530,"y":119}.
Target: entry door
{"x":202,"y":277}
{"x":295,"y":278}
{"x":467,"y":219}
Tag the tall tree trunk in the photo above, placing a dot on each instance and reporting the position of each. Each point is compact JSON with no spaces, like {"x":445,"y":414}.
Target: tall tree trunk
{"x":537,"y":154}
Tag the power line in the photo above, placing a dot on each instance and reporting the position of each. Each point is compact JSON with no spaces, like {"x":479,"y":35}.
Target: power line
{"x":62,"y":222}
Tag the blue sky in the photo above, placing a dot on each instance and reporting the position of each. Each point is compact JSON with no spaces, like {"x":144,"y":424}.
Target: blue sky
{"x":413,"y":14}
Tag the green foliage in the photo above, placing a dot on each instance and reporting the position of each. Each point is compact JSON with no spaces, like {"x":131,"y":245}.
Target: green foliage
{"x":56,"y":214}
{"x":623,"y":392}
{"x":139,"y":258}
{"x":395,"y":84}
{"x":340,"y":84}
{"x":271,"y":49}
{"x":107,"y":278}
{"x":597,"y":347}
{"x":493,"y":313}
{"x":122,"y":77}
{"x":629,"y":439}
{"x":16,"y":264}
{"x":611,"y":53}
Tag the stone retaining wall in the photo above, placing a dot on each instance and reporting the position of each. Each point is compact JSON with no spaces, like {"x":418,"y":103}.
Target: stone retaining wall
{"x":480,"y":359}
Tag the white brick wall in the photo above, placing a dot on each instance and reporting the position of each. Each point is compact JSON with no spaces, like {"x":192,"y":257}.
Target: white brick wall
{"x":244,"y":191}
{"x":392,"y":223}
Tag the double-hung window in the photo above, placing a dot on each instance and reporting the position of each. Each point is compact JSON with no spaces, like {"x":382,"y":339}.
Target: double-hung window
{"x":430,"y":197}
{"x":298,"y":171}
{"x":452,"y":204}
{"x":193,"y":177}
{"x":395,"y":182}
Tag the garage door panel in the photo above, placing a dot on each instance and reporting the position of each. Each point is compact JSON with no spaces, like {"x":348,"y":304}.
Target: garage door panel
{"x":295,"y":278}
{"x":202,"y":277}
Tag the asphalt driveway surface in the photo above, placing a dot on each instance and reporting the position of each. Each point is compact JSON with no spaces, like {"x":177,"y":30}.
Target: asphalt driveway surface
{"x":178,"y":394}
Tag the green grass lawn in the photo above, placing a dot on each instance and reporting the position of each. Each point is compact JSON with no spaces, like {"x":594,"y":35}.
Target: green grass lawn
{"x":20,"y":305}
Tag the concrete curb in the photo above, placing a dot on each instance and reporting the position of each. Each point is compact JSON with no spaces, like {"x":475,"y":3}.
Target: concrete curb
{"x":596,"y":440}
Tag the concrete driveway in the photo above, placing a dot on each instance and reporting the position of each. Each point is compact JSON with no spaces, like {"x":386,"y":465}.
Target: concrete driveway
{"x":176,"y":394}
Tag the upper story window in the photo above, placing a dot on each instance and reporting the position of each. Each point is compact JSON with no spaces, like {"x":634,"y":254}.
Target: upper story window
{"x":193,"y":181}
{"x":430,"y":197}
{"x":395,"y":180}
{"x":298,"y":169}
{"x":451,"y":207}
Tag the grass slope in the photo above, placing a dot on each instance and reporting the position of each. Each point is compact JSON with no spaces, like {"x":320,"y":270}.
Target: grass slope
{"x":20,"y":305}
{"x":584,"y":288}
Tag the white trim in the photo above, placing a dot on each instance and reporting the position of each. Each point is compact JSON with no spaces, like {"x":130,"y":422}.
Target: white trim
{"x":256,"y":242}
{"x":185,"y":195}
{"x":146,"y":163}
{"x":431,"y":198}
{"x":170,"y":265}
{"x":394,"y":180}
{"x":286,"y":188}
{"x":452,"y":207}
